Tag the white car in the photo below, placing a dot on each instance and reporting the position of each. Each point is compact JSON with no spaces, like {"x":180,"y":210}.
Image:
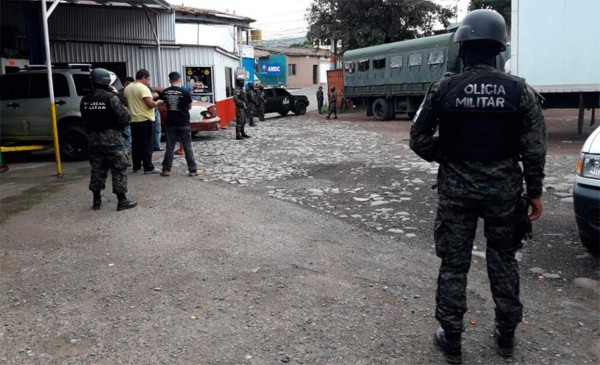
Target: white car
{"x":586,"y":193}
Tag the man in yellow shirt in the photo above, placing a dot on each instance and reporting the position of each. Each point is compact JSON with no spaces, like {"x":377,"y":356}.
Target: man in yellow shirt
{"x":142,"y":108}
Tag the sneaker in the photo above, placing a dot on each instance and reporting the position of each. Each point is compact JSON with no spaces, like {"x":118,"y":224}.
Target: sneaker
{"x":152,"y":172}
{"x":179,"y":152}
{"x":193,"y":173}
{"x":136,"y":171}
{"x":165,"y":173}
{"x":158,"y":149}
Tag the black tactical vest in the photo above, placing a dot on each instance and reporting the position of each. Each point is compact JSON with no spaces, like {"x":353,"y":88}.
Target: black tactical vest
{"x":481,"y":117}
{"x":97,"y":111}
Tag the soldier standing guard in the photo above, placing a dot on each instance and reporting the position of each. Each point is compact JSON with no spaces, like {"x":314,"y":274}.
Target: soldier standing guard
{"x":105,"y":117}
{"x":262,"y":101}
{"x":240,"y":101}
{"x":487,"y":120}
{"x":320,"y":98}
{"x":332,"y":104}
{"x":252,"y":103}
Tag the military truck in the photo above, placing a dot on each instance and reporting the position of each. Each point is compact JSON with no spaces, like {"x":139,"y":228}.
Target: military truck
{"x":393,"y":78}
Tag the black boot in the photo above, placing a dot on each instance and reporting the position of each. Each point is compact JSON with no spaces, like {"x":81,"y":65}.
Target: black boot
{"x":244,"y":133}
{"x":449,"y":343}
{"x":505,"y":341}
{"x":125,"y":203}
{"x":97,"y":204}
{"x":238,"y":133}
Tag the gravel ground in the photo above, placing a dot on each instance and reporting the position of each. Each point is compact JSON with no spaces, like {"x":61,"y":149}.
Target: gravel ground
{"x":310,"y":243}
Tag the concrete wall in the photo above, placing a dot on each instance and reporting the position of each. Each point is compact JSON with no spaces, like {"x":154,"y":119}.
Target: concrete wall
{"x":304,"y":71}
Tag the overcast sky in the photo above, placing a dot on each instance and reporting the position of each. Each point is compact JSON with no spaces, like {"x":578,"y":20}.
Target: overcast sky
{"x":276,"y":18}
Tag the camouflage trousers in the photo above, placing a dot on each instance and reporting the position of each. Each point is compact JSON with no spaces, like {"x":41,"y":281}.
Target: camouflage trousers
{"x":104,"y":158}
{"x":240,"y":117}
{"x":260,"y":111}
{"x":251,"y":113}
{"x":455,"y":226}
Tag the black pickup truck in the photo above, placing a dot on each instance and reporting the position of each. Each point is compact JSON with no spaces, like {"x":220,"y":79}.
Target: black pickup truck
{"x":279,"y":100}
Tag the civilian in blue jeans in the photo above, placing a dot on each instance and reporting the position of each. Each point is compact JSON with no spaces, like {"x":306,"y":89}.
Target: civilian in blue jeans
{"x":178,"y":102}
{"x":157,"y":131}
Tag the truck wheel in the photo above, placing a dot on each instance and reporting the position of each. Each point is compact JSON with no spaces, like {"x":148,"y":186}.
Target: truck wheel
{"x":300,"y":109}
{"x":381,"y":109}
{"x":74,"y":143}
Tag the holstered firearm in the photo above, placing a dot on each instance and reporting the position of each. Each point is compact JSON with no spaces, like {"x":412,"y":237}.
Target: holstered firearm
{"x":523,"y":226}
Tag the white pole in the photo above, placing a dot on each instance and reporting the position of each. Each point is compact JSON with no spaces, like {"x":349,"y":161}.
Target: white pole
{"x":45,"y":16}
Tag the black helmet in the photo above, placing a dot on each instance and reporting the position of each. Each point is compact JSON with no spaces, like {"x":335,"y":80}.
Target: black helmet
{"x":240,"y":81}
{"x":333,"y":88}
{"x":482,"y":24}
{"x":251,"y":85}
{"x":100,"y":76}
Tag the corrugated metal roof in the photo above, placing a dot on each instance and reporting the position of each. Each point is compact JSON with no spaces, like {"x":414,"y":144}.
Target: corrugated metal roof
{"x":198,"y":11}
{"x":294,"y":51}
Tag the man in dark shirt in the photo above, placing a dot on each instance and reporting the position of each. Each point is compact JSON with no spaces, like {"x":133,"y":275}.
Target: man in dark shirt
{"x":178,"y":102}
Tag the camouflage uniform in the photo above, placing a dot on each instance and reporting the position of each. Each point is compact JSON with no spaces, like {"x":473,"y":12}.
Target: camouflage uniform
{"x":473,"y":188}
{"x":260,"y":110}
{"x":252,"y":104}
{"x":240,"y":101}
{"x":320,"y":99}
{"x":332,"y":104}
{"x":106,"y":139}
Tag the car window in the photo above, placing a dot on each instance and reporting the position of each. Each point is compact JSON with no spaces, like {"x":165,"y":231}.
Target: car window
{"x":61,"y":85}
{"x":83,"y":84}
{"x":39,"y":86}
{"x":281,"y":92}
{"x":269,"y":93}
{"x":14,"y":86}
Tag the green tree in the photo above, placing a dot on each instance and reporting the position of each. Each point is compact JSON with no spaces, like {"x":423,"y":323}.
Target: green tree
{"x":501,"y":6}
{"x":362,"y":23}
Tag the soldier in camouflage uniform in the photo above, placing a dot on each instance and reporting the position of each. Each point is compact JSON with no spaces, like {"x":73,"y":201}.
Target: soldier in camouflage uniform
{"x":240,"y":101}
{"x":262,"y":101}
{"x":332,"y":104}
{"x":252,"y":103}
{"x":105,"y":117}
{"x":486,"y":120}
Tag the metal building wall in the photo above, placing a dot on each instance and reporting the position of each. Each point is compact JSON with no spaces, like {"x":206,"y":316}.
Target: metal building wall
{"x":111,"y":24}
{"x":174,"y":58}
{"x":12,"y":15}
{"x":97,"y":23}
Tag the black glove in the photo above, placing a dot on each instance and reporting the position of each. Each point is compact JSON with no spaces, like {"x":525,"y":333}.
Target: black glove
{"x":523,"y":226}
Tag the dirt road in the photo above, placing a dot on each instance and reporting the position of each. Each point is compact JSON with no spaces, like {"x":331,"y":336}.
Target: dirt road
{"x":310,"y":243}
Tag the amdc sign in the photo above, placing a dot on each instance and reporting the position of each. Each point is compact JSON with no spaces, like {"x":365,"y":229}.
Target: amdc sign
{"x":270,"y":69}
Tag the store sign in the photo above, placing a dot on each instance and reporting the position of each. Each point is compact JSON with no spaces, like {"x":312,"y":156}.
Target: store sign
{"x":270,"y":69}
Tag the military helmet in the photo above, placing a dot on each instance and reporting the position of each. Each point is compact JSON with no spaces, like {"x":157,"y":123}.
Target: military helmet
{"x":240,"y":81}
{"x":251,"y":85}
{"x":482,"y":24}
{"x":101,"y":76}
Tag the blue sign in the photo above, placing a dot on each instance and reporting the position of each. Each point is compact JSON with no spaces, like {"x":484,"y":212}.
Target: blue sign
{"x":270,"y":69}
